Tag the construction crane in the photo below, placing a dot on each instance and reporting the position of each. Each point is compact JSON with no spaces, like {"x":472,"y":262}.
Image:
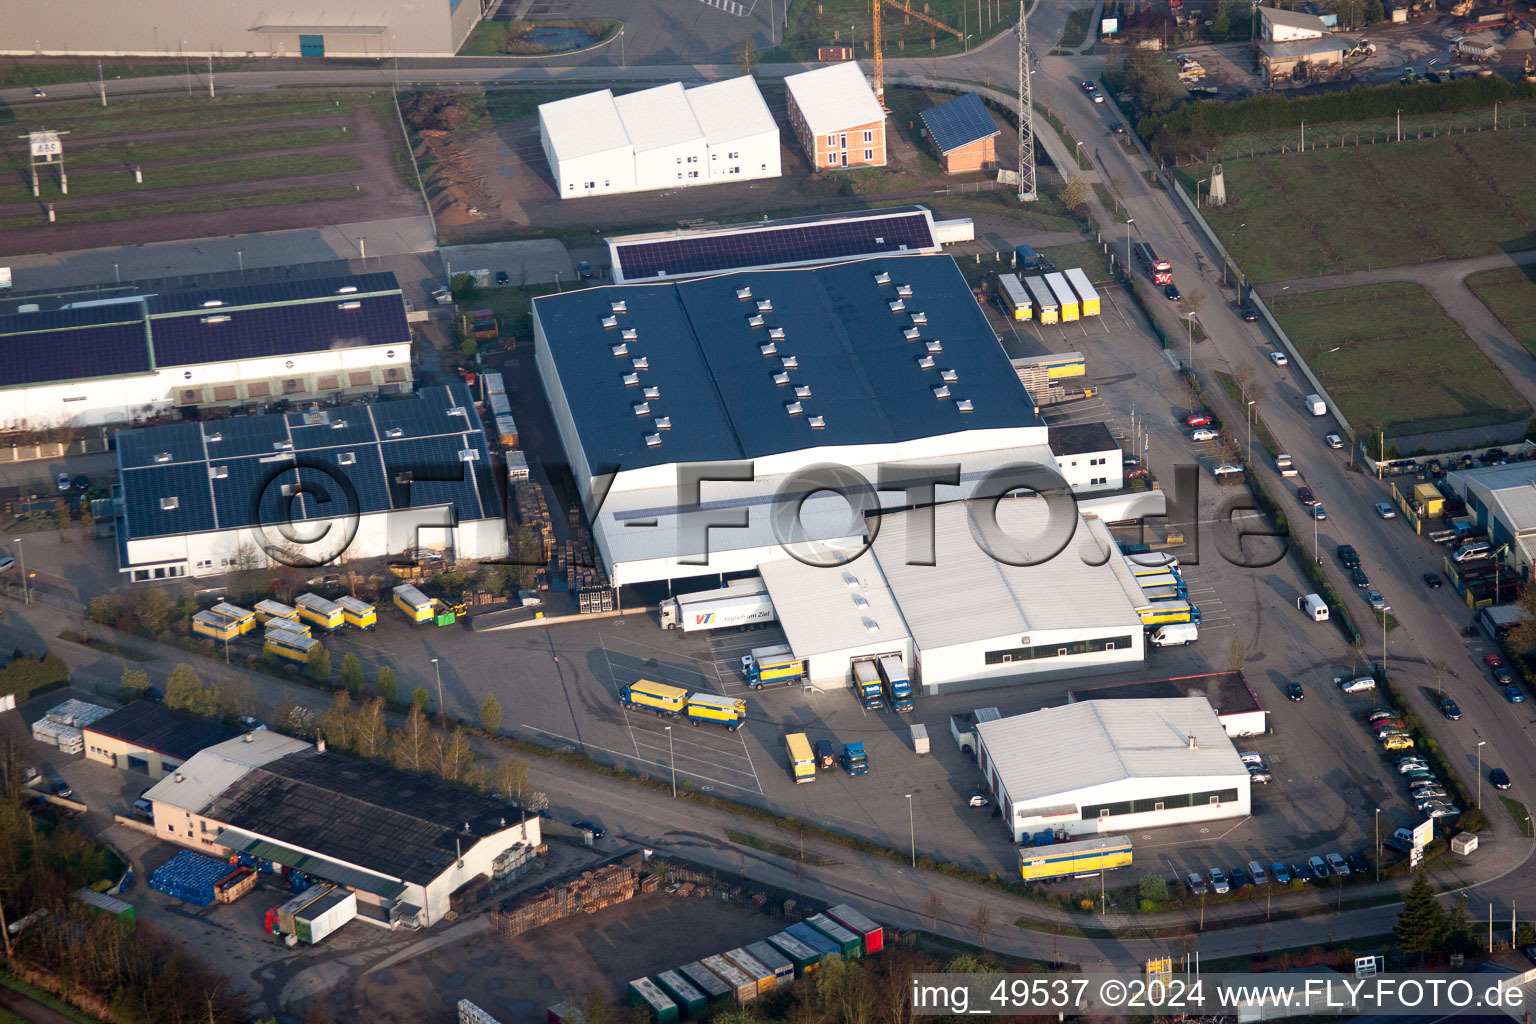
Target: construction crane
{"x":906,"y":8}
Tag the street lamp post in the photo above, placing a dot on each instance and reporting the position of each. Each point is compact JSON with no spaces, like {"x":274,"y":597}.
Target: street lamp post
{"x":26,"y":589}
{"x":442,"y":712}
{"x":117,"y":274}
{"x":362,"y":247}
{"x":1378,"y":844}
{"x":240,"y":255}
{"x":1191,"y":319}
{"x":1480,"y":773}
{"x":1128,"y":222}
{"x":1202,"y":181}
{"x":1250,"y":432}
{"x":912,"y":830}
{"x":672,"y":762}
{"x":1078,"y":156}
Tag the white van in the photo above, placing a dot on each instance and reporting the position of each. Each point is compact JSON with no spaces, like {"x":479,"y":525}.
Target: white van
{"x":1316,"y":405}
{"x":1175,"y":634}
{"x":1283,"y":464}
{"x":1313,"y":606}
{"x":1467,"y":552}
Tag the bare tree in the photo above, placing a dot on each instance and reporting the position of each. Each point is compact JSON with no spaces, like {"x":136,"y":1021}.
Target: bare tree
{"x":1237,"y":654}
{"x":1242,"y":376}
{"x":410,"y":745}
{"x":369,"y":730}
{"x":933,"y":908}
{"x":981,"y":921}
{"x":455,"y":755}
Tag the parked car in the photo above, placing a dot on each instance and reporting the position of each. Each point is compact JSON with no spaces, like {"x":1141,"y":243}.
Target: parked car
{"x":1442,"y":811}
{"x":501,"y":277}
{"x":1259,"y":773}
{"x":1239,"y":878}
{"x":1171,"y":292}
{"x":1088,"y":86}
{"x":1513,"y":695}
{"x":1493,"y":660}
{"x":1376,"y":601}
{"x":1377,"y":714}
{"x":1530,"y":953}
{"x":1257,"y":873}
{"x":1136,"y":473}
{"x":1281,"y":873}
{"x":1319,"y":513}
{"x":1358,"y":864}
{"x":1385,"y":510}
{"x":1400,"y":840}
{"x":1294,"y":691}
{"x":1450,"y":709}
{"x":591,"y":826}
{"x":1503,"y":676}
{"x":6,"y":561}
{"x":1318,"y":868}
{"x":1305,"y":496}
{"x":1299,"y":873}
{"x":82,"y":482}
{"x":1338,"y":865}
{"x":1433,"y":581}
{"x":1398,"y":743}
{"x":38,"y":93}
{"x":1196,"y":884}
{"x":1197,"y":419}
{"x":585,"y":270}
{"x":1204,"y":434}
{"x":1358,"y":577}
{"x":1250,"y":315}
{"x":63,"y":481}
{"x":979,"y":800}
{"x":1359,"y":684}
{"x":1500,"y":778}
{"x":1410,"y":763}
{"x":1116,"y":128}
{"x":62,"y":788}
{"x":1219,"y":881}
{"x":1333,"y":441}
{"x":1278,"y":358}
{"x":1250,"y":757}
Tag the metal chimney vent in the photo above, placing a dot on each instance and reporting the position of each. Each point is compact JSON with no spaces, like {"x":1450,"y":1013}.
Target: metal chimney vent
{"x":621,"y":350}
{"x":618,"y":307}
{"x":802,"y":391}
{"x":781,"y":378}
{"x":663,"y":423}
{"x":653,"y":392}
{"x":941,"y":392}
{"x":919,"y":318}
{"x":948,"y":376}
{"x":817,"y":422}
{"x":755,"y":320}
{"x":912,"y":334}
{"x":897,"y":306}
{"x":794,"y":408}
{"x":652,"y":440}
{"x":882,"y":278}
{"x":965,"y":405}
{"x":790,"y":362}
{"x":935,"y":346}
{"x":776,"y":333}
{"x":642,"y":363}
{"x":610,"y":321}
{"x":904,"y":290}
{"x":629,"y":334}
{"x":631,"y":379}
{"x":870,"y":625}
{"x":926,"y":362}
{"x":769,"y":349}
{"x":642,"y":408}
{"x":765,"y":306}
{"x":744,"y":293}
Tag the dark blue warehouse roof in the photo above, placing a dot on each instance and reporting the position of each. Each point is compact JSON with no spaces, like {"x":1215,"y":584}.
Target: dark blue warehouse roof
{"x":202,"y":326}
{"x":960,"y":122}
{"x":726,"y":397}
{"x":354,"y":459}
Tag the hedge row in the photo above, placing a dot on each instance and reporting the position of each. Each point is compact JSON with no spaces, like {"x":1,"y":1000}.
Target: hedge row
{"x":1274,"y":111}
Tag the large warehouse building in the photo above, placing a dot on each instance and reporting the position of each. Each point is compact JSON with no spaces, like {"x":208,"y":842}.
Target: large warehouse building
{"x":308,"y":488}
{"x":237,"y":28}
{"x":885,"y":366}
{"x":1110,"y":766}
{"x":666,"y":137}
{"x":132,"y":358}
{"x":402,"y":842}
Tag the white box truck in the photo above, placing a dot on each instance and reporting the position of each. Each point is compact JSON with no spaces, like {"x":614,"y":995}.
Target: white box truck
{"x":738,"y":603}
{"x":1316,"y":405}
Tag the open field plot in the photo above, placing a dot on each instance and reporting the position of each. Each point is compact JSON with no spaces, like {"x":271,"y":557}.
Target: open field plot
{"x":210,"y":167}
{"x":1511,"y":295}
{"x":816,"y":23}
{"x":1332,"y":211}
{"x":1394,"y":360}
{"x":15,"y":72}
{"x":1378,"y":131}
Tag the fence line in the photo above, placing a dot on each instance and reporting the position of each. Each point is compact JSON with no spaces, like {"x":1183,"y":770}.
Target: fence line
{"x":1374,"y":139}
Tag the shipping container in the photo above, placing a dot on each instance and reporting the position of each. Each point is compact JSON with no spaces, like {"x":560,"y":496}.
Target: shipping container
{"x":753,"y":968}
{"x":872,"y":935}
{"x":493,"y":383}
{"x":285,"y":626}
{"x":848,"y":943}
{"x":689,"y":999}
{"x":743,"y":988}
{"x":418,"y":607}
{"x":1047,"y":310}
{"x":813,"y":938}
{"x":1087,"y":297}
{"x":215,"y":627}
{"x":359,"y":614}
{"x":1064,"y":295}
{"x":247,"y":620}
{"x":1014,"y":296}
{"x":777,"y":962}
{"x":806,"y":958}
{"x":500,"y":406}
{"x":317,"y":611}
{"x":269,"y":609}
{"x":325,"y":915}
{"x":281,"y":643}
{"x":645,"y":992}
{"x":286,"y":912}
{"x":701,"y":978}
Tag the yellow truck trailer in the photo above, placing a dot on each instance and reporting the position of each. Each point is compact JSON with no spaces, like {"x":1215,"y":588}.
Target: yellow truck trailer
{"x":269,"y":609}
{"x":291,"y":646}
{"x":667,"y":701}
{"x":730,"y":712}
{"x":285,"y":626}
{"x":359,"y":614}
{"x":317,"y":611}
{"x":215,"y":626}
{"x":246,"y":620}
{"x":418,"y":607}
{"x":1063,"y":860}
{"x":802,"y":762}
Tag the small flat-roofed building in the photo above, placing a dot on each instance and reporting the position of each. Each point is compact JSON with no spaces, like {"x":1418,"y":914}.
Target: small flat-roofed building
{"x":1300,"y":59}
{"x":180,"y":798}
{"x":1280,"y":26}
{"x":836,"y":117}
{"x":1237,"y":706}
{"x":1502,"y":501}
{"x":1088,"y":456}
{"x":1109,"y":766}
{"x":146,"y":736}
{"x":963,"y":134}
{"x":588,"y":149}
{"x":833,"y":617}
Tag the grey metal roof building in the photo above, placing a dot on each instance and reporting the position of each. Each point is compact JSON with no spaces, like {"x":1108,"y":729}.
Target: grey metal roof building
{"x":215,"y":485}
{"x":1082,"y":438}
{"x":129,"y":356}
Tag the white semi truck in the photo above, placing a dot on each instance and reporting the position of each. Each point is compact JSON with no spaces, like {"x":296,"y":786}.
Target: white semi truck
{"x":738,"y":603}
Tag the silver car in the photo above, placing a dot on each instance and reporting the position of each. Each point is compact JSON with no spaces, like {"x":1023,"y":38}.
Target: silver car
{"x":1339,"y":865}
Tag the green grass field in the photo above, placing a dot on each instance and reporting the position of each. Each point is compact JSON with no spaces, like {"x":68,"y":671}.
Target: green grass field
{"x":1076,"y":30}
{"x":85,"y":121}
{"x":261,"y":168}
{"x":1511,"y":295}
{"x":1337,"y":210}
{"x":816,"y":23}
{"x":200,"y":204}
{"x":1401,"y":364}
{"x":129,"y":151}
{"x":14,"y":73}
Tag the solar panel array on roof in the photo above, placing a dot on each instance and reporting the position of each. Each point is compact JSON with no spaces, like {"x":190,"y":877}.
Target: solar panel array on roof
{"x":774,"y":245}
{"x":350,"y":460}
{"x":960,"y":122}
{"x":203,"y":326}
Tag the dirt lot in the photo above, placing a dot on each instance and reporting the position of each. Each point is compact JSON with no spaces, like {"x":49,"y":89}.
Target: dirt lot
{"x":96,"y":215}
{"x":499,"y":181}
{"x":518,"y":978}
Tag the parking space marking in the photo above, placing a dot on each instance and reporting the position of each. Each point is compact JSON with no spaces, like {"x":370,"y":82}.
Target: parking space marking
{"x":613,"y":679}
{"x":616,"y":753}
